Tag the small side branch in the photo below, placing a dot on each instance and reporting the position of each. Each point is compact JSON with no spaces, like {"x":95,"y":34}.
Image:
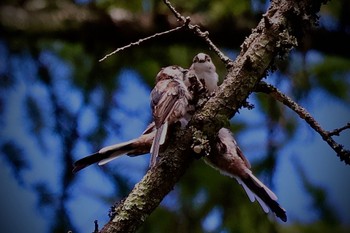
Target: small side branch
{"x":197,"y":31}
{"x":343,"y":154}
{"x":96,"y":227}
{"x":140,"y":41}
{"x":336,"y":132}
{"x":185,"y":24}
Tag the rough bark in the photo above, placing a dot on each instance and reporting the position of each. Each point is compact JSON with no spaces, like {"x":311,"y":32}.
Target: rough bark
{"x":276,"y":33}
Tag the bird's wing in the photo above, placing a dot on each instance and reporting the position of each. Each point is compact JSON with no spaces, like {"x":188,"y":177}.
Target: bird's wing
{"x":163,"y":102}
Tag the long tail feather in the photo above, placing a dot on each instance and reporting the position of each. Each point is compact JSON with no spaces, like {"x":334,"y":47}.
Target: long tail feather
{"x":104,"y":155}
{"x":264,"y":196}
{"x":254,"y":188}
{"x":158,"y":140}
{"x":116,"y":151}
{"x":86,"y":161}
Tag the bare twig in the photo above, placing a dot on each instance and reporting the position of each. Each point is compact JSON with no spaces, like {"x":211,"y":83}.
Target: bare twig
{"x":336,"y":132}
{"x":185,"y":23}
{"x":96,"y":227}
{"x":205,"y":35}
{"x":140,"y":41}
{"x":343,"y":154}
{"x":175,"y":12}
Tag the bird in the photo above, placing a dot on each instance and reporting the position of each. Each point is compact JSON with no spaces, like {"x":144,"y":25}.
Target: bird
{"x":205,"y":70}
{"x":229,"y":160}
{"x":169,"y":104}
{"x":169,"y":82}
{"x":227,"y":157}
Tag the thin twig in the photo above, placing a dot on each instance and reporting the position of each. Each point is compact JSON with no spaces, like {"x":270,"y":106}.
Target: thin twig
{"x":140,"y":41}
{"x":185,"y":23}
{"x":336,"y":132}
{"x":205,"y":35}
{"x":96,"y":227}
{"x":175,"y":12}
{"x":343,"y":154}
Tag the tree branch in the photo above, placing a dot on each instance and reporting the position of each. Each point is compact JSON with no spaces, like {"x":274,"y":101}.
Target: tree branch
{"x":150,"y":191}
{"x":343,"y":154}
{"x":141,"y":41}
{"x":197,"y":31}
{"x":185,"y":23}
{"x":336,"y":132}
{"x":273,"y":36}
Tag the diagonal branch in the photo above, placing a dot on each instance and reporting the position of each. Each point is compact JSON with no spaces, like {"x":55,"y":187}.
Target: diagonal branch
{"x":343,"y":154}
{"x":273,"y":36}
{"x":140,"y":41}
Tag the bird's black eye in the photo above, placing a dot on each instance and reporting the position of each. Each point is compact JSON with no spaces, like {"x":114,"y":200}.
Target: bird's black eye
{"x":195,"y":59}
{"x":207,"y":58}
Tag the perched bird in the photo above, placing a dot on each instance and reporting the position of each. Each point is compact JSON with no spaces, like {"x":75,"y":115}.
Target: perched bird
{"x":205,"y":70}
{"x":169,"y":104}
{"x":170,"y":96}
{"x":226,"y":156}
{"x":201,"y":81}
{"x":229,"y":160}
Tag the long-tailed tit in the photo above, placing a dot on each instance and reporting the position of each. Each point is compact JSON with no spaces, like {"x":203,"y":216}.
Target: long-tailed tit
{"x":169,"y":82}
{"x":205,"y":70}
{"x":169,"y":104}
{"x":201,"y":80}
{"x":229,"y":160}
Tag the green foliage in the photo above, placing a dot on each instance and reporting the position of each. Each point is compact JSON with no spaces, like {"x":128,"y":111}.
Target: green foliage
{"x":333,"y":75}
{"x":134,"y":5}
{"x":317,"y":227}
{"x":236,"y":8}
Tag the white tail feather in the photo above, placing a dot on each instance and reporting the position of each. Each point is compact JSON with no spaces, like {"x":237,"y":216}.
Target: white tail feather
{"x":163,"y":134}
{"x":271,"y":194}
{"x":252,"y":196}
{"x":115,"y":146}
{"x":104,"y":161}
{"x":249,"y":192}
{"x":158,"y":140}
{"x":262,"y":204}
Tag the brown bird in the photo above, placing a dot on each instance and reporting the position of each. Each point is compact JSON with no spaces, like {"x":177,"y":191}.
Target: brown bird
{"x":169,"y":104}
{"x":229,"y":160}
